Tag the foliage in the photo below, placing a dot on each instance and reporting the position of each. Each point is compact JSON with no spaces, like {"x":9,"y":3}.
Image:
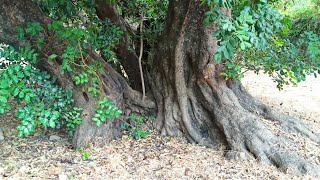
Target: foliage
{"x":297,"y":9}
{"x":105,"y":110}
{"x":151,"y":12}
{"x":45,"y":104}
{"x":79,"y":38}
{"x":84,"y":154}
{"x":303,"y":24}
{"x":284,"y":61}
{"x":301,"y":16}
{"x":57,"y":9}
{"x":252,"y":38}
{"x":77,"y":19}
{"x":136,"y":126}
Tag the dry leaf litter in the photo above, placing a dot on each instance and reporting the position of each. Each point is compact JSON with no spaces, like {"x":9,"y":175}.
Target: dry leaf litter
{"x":158,"y":157}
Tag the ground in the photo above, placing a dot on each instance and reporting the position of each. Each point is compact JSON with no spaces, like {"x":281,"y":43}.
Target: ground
{"x":159,"y":157}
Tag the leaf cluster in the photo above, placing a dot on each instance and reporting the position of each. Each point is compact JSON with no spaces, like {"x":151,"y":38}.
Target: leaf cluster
{"x":253,"y":37}
{"x":44,"y":104}
{"x":151,"y":12}
{"x":136,"y":126}
{"x":105,"y":110}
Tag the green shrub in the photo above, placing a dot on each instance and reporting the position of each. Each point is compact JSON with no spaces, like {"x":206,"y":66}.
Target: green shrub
{"x":44,"y":104}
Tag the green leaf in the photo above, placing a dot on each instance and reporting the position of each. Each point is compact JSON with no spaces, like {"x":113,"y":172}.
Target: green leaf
{"x":26,"y":131}
{"x":217,"y":56}
{"x":3,"y":99}
{"x":52,"y":124}
{"x":20,"y":133}
{"x":52,"y":56}
{"x":27,"y":99}
{"x":118,"y":113}
{"x":242,"y":45}
{"x":4,"y":92}
{"x":225,"y":26}
{"x":226,"y":53}
{"x":124,"y":125}
{"x":20,"y":32}
{"x":21,"y":94}
{"x":8,"y":106}
{"x":44,"y":121}
{"x":1,"y":110}
{"x":95,"y":119}
{"x":14,"y":78}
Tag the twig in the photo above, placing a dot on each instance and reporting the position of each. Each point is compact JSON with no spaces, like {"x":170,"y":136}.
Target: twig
{"x":140,"y":58}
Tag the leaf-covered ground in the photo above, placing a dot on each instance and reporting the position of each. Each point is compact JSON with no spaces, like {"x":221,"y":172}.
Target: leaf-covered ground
{"x":158,"y":157}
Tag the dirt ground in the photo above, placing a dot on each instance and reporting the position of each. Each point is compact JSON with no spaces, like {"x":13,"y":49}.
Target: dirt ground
{"x":159,"y":157}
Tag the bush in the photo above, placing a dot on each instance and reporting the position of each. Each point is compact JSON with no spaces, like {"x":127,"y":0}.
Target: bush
{"x":44,"y":104}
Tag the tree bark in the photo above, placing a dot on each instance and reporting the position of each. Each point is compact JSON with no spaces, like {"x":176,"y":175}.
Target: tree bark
{"x":195,"y":101}
{"x":19,"y":13}
{"x":128,"y":58}
{"x":192,"y":97}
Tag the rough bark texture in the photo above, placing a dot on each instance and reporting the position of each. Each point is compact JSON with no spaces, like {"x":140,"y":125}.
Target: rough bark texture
{"x":19,"y":13}
{"x":128,"y":58}
{"x":194,"y":100}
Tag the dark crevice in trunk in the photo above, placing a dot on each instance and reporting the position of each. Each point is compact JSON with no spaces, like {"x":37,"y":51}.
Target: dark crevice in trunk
{"x":128,"y":58}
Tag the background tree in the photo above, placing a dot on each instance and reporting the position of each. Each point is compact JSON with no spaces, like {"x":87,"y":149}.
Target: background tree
{"x":194,"y":68}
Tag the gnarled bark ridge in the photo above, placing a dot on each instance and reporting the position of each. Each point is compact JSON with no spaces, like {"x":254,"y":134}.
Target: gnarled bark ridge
{"x":194,"y":100}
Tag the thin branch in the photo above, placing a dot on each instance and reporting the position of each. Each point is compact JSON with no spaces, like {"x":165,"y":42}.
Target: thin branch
{"x":140,"y":58}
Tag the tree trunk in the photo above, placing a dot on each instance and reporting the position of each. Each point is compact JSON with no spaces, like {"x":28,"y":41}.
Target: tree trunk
{"x":128,"y":58}
{"x":192,"y":97}
{"x":195,"y":101}
{"x":15,"y":13}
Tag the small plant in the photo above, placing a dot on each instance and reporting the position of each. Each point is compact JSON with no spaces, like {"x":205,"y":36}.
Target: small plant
{"x":84,"y":154}
{"x":72,"y":119}
{"x":136,"y":127}
{"x":104,"y":111}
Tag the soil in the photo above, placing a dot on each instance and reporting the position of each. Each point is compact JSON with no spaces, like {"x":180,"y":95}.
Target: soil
{"x":157,"y":157}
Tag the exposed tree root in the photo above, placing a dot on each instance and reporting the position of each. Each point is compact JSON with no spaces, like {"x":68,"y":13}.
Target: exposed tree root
{"x":216,"y":116}
{"x":289,"y":123}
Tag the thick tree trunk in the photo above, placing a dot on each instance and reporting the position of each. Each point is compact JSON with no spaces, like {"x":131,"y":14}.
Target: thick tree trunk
{"x":195,"y":101}
{"x":19,"y":13}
